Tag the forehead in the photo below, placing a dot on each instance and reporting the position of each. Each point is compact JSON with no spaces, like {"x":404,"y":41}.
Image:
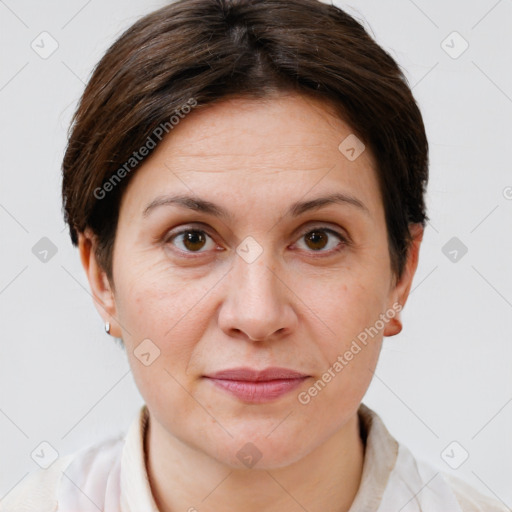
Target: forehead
{"x":284,"y":124}
{"x":255,"y":147}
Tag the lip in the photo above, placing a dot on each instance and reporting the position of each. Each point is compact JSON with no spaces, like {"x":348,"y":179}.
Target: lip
{"x":257,"y":386}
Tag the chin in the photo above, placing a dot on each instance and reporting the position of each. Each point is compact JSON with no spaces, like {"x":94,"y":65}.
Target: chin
{"x":261,"y":451}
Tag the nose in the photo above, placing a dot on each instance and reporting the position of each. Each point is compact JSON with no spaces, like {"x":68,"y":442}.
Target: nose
{"x":258,"y":304}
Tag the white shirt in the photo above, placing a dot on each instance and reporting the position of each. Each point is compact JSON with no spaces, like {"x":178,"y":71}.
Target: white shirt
{"x":111,"y":476}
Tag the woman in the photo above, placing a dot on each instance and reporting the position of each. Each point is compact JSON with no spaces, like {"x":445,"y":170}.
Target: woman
{"x":245,"y":183}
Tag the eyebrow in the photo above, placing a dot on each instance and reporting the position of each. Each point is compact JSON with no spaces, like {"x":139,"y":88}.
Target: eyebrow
{"x":210,"y":208}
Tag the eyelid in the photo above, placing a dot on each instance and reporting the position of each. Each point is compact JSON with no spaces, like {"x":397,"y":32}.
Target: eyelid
{"x":325,"y":227}
{"x":199,"y":226}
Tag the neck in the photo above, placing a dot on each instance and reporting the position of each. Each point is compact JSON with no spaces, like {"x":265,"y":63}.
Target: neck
{"x":184,"y":479}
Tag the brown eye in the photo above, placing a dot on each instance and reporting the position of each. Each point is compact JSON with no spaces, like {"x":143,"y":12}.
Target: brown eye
{"x":193,"y":240}
{"x":318,"y":239}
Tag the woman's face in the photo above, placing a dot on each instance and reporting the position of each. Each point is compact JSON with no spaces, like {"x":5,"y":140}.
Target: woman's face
{"x":262,"y":279}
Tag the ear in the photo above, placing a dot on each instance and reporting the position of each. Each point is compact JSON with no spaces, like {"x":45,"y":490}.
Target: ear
{"x":400,"y":291}
{"x":100,"y":287}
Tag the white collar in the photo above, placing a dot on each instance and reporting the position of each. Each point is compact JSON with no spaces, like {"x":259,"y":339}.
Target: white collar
{"x":112,"y":475}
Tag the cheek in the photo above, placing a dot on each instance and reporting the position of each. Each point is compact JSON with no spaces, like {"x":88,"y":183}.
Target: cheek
{"x":155,"y":303}
{"x":352,"y":308}
{"x":158,"y":318}
{"x":349,"y":355}
{"x":349,"y":301}
{"x":154,"y":299}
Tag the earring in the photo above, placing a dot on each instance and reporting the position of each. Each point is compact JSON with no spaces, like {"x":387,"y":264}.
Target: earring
{"x":107,"y":327}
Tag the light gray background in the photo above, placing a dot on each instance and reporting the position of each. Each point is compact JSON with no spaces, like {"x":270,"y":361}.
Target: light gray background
{"x":447,"y":377}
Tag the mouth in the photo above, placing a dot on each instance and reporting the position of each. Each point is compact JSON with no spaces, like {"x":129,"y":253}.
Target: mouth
{"x":257,"y":386}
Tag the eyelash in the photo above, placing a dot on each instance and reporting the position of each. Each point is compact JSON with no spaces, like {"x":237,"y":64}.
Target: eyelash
{"x":320,"y":253}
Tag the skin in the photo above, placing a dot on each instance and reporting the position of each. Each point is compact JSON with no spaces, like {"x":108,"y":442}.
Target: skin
{"x":299,"y":305}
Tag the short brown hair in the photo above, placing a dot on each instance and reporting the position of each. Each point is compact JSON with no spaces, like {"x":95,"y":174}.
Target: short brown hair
{"x":207,"y":50}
